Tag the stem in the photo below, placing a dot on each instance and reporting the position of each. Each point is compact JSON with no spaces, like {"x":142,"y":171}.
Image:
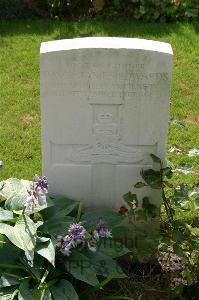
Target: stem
{"x":165,"y":200}
{"x":85,"y":294}
{"x":50,"y":283}
{"x":23,"y":212}
{"x":167,"y":207}
{"x":28,"y":271}
{"x":79,"y":211}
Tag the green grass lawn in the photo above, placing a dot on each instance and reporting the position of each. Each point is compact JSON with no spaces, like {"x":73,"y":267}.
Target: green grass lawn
{"x":20,"y":141}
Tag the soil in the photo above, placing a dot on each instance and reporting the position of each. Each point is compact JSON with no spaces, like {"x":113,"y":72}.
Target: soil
{"x":145,"y":281}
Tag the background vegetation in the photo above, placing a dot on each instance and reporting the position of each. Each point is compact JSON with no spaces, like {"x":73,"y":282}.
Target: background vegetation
{"x":148,"y":10}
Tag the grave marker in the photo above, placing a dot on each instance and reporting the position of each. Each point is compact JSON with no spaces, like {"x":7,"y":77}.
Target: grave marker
{"x":104,"y":109}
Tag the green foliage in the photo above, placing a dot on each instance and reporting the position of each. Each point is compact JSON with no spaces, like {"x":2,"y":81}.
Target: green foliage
{"x":79,"y":266}
{"x":15,"y":192}
{"x":148,"y":10}
{"x":180,"y":239}
{"x":10,"y":9}
{"x":92,"y":218}
{"x":22,"y":235}
{"x":64,"y":290}
{"x":31,"y":263}
{"x":152,"y":10}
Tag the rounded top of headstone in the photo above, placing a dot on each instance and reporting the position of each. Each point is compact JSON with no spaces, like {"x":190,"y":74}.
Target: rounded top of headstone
{"x":106,"y":43}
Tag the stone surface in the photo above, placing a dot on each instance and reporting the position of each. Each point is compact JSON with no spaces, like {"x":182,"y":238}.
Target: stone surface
{"x":104,"y":109}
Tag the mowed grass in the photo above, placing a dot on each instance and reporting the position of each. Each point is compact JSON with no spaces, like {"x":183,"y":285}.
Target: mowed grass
{"x":20,"y":136}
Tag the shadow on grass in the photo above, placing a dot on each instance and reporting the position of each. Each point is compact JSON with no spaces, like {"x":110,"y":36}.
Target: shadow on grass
{"x":63,"y":29}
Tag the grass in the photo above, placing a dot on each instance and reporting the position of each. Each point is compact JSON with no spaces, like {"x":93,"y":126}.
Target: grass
{"x":20,"y":136}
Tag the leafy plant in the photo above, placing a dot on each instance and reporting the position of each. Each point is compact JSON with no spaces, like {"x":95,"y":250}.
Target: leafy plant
{"x":49,"y":248}
{"x":147,"y":10}
{"x":177,"y":245}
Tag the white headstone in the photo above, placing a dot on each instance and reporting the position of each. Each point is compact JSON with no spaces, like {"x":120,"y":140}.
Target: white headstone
{"x":104,"y":109}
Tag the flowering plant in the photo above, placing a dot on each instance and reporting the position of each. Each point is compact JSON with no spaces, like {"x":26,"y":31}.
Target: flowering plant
{"x":50,"y":248}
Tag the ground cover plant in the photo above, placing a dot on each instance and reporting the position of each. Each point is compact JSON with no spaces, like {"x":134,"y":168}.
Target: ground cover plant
{"x":49,"y":251}
{"x":20,"y":117}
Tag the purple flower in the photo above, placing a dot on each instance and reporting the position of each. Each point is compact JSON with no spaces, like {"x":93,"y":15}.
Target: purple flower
{"x":29,"y":204}
{"x":65,"y":245}
{"x":41,"y":197}
{"x":102,"y":231}
{"x":77,"y":233}
{"x":41,"y":189}
{"x":41,"y":182}
{"x":76,"y":236}
{"x":37,"y":192}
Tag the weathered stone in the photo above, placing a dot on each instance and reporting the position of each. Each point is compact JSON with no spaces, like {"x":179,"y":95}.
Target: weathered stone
{"x":104,"y":105}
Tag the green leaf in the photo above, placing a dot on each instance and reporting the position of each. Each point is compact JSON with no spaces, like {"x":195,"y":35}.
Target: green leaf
{"x":105,"y":265}
{"x":64,"y":290}
{"x":57,"y":221}
{"x":163,"y":247}
{"x":149,"y":207}
{"x":39,"y":266}
{"x":141,"y":214}
{"x":7,"y":293}
{"x":120,"y":231}
{"x":15,"y":192}
{"x":168,"y":184}
{"x":2,"y":240}
{"x":80,"y":267}
{"x":57,"y":226}
{"x":8,"y":280}
{"x":9,"y":254}
{"x":177,"y":250}
{"x":60,"y":207}
{"x":130,"y":199}
{"x":112,"y":248}
{"x":152,"y":243}
{"x":22,"y":235}
{"x":155,"y":158}
{"x":45,"y":248}
{"x":177,"y":291}
{"x":152,"y":178}
{"x":92,"y":218}
{"x":141,"y":232}
{"x":178,"y":235}
{"x":41,"y":294}
{"x":167,"y":172}
{"x":25,"y":293}
{"x":5,"y":215}
{"x":139,"y":185}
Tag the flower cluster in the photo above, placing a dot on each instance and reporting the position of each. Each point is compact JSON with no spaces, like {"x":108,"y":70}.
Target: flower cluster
{"x":102,"y":231}
{"x":77,"y":235}
{"x":37,"y":192}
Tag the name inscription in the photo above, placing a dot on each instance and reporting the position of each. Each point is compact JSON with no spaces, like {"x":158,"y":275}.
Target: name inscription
{"x":97,"y":81}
